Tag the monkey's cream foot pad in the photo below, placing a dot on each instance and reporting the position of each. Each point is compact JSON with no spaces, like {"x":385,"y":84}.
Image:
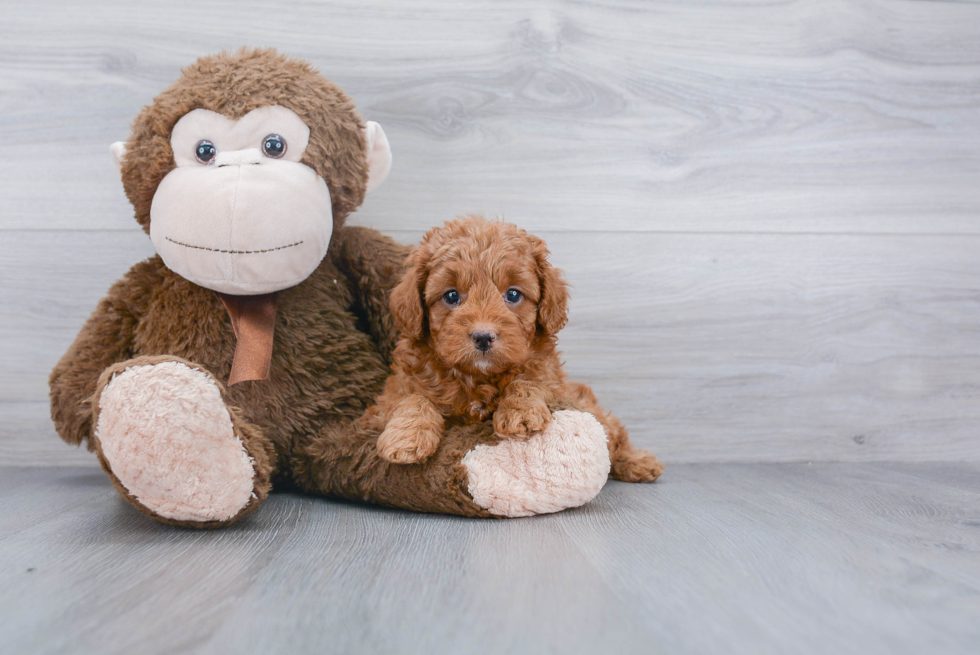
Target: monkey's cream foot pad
{"x":564,"y":466}
{"x":169,"y":439}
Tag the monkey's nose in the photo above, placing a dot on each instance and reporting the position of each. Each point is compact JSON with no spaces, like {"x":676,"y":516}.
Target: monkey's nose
{"x":483,"y":340}
{"x":238,"y":157}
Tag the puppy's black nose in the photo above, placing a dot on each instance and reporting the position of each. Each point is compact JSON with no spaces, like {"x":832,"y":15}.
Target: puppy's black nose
{"x":483,"y":340}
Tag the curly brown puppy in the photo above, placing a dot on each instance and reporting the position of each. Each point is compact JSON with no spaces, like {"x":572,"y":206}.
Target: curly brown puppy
{"x":479,"y":313}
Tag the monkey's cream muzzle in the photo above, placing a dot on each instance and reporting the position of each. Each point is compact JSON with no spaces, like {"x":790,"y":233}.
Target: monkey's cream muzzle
{"x":243,"y":223}
{"x":245,"y":228}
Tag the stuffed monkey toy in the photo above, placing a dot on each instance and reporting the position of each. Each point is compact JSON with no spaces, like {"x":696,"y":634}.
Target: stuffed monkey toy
{"x":240,"y":356}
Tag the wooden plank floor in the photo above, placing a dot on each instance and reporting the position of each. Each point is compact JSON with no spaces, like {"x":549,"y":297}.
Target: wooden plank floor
{"x":744,"y":558}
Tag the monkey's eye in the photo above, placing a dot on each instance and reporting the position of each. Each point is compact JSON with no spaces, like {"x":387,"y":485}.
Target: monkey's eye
{"x":274,"y":146}
{"x":513,"y":296}
{"x":205,"y":152}
{"x":451,"y":297}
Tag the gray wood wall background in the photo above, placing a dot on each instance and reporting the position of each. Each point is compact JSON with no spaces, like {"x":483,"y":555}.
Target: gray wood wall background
{"x":768,"y":210}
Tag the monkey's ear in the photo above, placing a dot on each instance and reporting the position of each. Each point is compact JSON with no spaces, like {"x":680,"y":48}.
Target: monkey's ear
{"x":118,"y":152}
{"x":378,"y":155}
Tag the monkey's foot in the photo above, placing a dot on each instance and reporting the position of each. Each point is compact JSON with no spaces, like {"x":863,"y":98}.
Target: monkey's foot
{"x":166,"y":436}
{"x":564,"y":466}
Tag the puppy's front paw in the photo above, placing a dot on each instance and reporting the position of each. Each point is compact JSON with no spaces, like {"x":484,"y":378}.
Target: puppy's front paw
{"x":403,"y":442}
{"x":521,"y":421}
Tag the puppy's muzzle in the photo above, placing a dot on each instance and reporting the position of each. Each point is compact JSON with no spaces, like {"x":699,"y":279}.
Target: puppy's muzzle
{"x":483,"y":340}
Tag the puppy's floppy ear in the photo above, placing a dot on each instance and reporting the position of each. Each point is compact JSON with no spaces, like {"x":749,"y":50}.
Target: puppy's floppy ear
{"x":408,"y":298}
{"x":553,"y":305}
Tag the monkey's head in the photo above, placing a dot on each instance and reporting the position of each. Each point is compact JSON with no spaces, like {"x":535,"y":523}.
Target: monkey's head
{"x":241,"y":170}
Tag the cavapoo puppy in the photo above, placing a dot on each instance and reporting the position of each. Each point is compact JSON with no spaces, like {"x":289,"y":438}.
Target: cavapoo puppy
{"x":478,"y":313}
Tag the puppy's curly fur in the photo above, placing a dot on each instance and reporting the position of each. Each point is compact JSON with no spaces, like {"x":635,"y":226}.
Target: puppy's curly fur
{"x":478,"y":314}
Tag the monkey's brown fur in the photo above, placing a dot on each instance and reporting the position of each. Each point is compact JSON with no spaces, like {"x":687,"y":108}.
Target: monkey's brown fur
{"x":441,"y":377}
{"x":334,"y":332}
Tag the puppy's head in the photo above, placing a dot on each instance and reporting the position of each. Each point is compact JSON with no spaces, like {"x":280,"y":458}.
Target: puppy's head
{"x":479,"y":293}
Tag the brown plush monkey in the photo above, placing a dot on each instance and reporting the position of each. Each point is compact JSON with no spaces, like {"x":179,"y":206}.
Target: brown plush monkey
{"x":241,"y":355}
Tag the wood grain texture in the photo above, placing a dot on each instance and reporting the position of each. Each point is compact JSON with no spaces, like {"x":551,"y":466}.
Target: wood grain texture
{"x":710,"y":347}
{"x":826,"y":558}
{"x":768,"y":211}
{"x":844,"y":116}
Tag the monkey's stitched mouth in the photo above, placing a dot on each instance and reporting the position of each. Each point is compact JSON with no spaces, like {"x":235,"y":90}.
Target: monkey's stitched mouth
{"x":234,"y":252}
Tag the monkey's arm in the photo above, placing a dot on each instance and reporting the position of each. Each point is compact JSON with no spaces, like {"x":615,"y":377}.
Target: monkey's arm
{"x":106,"y":338}
{"x":374,"y":264}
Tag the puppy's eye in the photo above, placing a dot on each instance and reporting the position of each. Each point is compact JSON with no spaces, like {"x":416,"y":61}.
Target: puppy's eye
{"x":205,"y":152}
{"x":274,"y":146}
{"x":513,"y":296}
{"x":451,"y":297}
